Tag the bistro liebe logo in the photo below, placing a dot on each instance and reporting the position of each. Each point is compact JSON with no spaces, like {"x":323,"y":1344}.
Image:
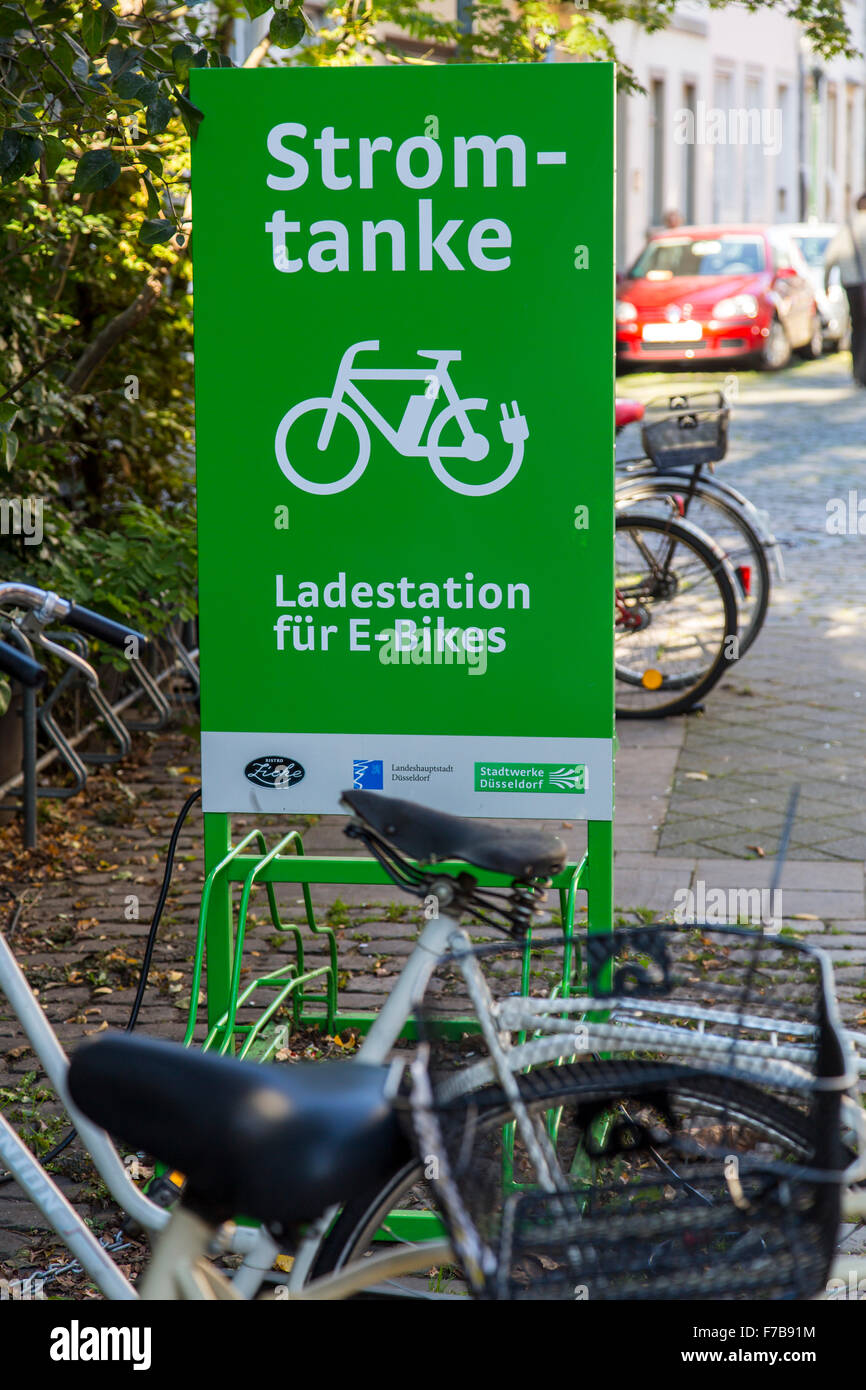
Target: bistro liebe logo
{"x":274,"y":770}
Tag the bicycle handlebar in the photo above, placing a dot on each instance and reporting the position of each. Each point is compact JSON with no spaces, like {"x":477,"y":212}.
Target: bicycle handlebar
{"x":105,"y":629}
{"x":52,"y":608}
{"x":21,"y":667}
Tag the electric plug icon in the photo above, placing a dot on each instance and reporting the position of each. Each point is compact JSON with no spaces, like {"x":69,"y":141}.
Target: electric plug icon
{"x":514,"y":427}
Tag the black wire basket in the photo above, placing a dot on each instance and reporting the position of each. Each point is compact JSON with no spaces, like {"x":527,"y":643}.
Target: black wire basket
{"x":702,"y":1157}
{"x":681,"y":432}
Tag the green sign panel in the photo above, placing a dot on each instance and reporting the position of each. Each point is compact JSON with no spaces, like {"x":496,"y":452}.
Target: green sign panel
{"x":404,"y":385}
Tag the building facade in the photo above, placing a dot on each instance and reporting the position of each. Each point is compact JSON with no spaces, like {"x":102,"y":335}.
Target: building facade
{"x":740,"y":121}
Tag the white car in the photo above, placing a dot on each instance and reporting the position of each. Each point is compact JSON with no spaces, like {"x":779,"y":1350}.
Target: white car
{"x":812,"y":240}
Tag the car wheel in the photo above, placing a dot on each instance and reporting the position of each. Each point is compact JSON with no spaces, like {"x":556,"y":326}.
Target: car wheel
{"x":815,"y":346}
{"x":776,"y":352}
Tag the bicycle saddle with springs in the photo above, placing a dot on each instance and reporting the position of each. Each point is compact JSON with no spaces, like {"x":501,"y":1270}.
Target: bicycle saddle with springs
{"x":429,"y":836}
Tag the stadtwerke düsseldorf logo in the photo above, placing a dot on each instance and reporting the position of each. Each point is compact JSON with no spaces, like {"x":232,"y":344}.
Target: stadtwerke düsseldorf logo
{"x":274,"y":770}
{"x":530,"y":777}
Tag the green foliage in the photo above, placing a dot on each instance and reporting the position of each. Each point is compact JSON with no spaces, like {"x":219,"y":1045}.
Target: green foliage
{"x":95,"y":317}
{"x":139,"y":568}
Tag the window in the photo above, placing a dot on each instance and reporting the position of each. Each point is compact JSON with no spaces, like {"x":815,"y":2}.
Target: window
{"x":621,"y":176}
{"x":668,"y":258}
{"x":755,"y":159}
{"x":832,"y":150}
{"x":689,"y":104}
{"x":785,"y":162}
{"x":726,"y":194}
{"x":657,"y":162}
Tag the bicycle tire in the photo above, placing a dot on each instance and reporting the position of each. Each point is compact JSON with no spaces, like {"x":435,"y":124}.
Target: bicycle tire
{"x":508,"y":474}
{"x":324,"y":404}
{"x":547,"y":1088}
{"x":707,"y":555}
{"x":753,"y":613}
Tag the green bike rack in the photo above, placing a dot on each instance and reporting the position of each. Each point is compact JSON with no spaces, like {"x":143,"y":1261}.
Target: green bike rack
{"x":313,"y":993}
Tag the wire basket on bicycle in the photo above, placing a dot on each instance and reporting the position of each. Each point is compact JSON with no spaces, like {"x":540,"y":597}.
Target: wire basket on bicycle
{"x":702,"y":1157}
{"x":686,"y":431}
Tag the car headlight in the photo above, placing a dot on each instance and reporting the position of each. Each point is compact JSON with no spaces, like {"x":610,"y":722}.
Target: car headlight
{"x":625,"y":311}
{"x":739,"y":306}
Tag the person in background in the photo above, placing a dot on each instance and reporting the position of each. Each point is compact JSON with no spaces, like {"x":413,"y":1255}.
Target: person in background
{"x":847,"y":250}
{"x":673,"y":218}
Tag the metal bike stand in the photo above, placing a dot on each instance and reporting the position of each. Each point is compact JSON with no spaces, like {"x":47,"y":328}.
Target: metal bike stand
{"x":222,"y":934}
{"x":12,"y":633}
{"x":73,"y":679}
{"x":186,"y":649}
{"x":156,"y":698}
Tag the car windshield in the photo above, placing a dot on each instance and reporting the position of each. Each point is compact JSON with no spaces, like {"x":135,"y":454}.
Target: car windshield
{"x":813,"y":248}
{"x":669,"y":258}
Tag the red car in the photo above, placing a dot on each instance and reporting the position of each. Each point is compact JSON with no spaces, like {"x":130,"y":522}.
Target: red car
{"x":717,"y":293}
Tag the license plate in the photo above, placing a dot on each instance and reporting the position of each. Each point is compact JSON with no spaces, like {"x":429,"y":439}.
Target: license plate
{"x":689,"y":332}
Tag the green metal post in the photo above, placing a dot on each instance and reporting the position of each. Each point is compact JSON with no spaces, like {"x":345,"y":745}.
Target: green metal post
{"x":220,"y":934}
{"x":599,"y":895}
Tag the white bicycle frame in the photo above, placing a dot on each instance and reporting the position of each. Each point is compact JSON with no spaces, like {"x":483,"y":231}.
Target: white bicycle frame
{"x":177,"y":1259}
{"x":406,"y":439}
{"x":179,"y":1268}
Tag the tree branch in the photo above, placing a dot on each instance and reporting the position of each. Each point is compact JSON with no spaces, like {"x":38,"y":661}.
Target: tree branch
{"x":253,"y":59}
{"x":110,"y":335}
{"x":129,"y":318}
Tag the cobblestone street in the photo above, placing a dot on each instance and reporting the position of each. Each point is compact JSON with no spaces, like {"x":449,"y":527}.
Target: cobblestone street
{"x":793,"y":712}
{"x":698,"y":798}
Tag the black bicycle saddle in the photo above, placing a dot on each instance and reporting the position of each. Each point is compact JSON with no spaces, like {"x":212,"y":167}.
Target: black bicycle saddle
{"x":429,"y":836}
{"x":279,"y":1143}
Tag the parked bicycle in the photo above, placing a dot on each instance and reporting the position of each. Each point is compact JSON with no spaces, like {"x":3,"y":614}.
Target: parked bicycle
{"x":676,"y":616}
{"x":683,"y":436}
{"x":320,"y":1153}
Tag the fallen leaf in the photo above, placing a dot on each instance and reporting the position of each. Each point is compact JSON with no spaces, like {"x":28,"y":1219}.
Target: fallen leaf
{"x":759,"y":850}
{"x":697,"y":776}
{"x":89,"y":1032}
{"x":804,"y":917}
{"x":284,"y":1262}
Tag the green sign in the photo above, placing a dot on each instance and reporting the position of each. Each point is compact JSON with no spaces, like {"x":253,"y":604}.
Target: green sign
{"x":404,"y":386}
{"x":530,"y":777}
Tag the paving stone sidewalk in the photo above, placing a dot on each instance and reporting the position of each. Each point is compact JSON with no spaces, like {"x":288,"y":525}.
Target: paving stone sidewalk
{"x":794,"y":711}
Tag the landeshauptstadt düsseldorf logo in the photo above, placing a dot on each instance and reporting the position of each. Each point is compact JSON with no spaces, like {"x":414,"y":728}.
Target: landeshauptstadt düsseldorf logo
{"x":274,"y":770}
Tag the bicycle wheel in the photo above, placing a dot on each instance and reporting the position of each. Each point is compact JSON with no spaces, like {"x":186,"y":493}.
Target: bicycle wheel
{"x":305,"y":445}
{"x":729,"y":527}
{"x":676,"y":616}
{"x":763,"y":1118}
{"x":466,"y":456}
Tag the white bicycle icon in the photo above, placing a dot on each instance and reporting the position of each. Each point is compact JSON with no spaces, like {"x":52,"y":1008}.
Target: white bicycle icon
{"x":406,"y":439}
